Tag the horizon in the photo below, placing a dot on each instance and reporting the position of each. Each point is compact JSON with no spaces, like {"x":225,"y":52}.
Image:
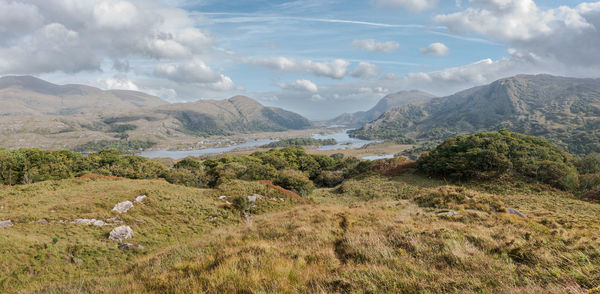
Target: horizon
{"x":317,"y":58}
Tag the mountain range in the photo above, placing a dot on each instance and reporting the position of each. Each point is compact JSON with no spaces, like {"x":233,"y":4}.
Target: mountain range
{"x":386,"y":103}
{"x":38,"y":113}
{"x":563,"y":110}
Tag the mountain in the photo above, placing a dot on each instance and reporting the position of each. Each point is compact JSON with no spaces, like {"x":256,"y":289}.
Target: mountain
{"x":36,"y":113}
{"x":30,"y":95}
{"x":238,"y":114}
{"x":386,"y":103}
{"x":563,"y":110}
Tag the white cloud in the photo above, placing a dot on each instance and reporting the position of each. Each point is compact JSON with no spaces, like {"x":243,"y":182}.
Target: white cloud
{"x":365,"y":70}
{"x":564,"y":35}
{"x":372,"y":45}
{"x":411,"y":5}
{"x":301,"y":85}
{"x":115,"y":14}
{"x":335,"y":69}
{"x":194,"y":72}
{"x":43,"y":36}
{"x":119,"y":82}
{"x":436,"y":49}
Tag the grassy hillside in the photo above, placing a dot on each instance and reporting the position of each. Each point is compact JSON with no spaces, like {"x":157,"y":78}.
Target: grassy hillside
{"x":372,"y":234}
{"x":240,"y":224}
{"x":565,"y":111}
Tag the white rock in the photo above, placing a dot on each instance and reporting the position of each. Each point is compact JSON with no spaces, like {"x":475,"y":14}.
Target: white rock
{"x":121,"y":233}
{"x":83,"y":221}
{"x":6,"y":224}
{"x":140,"y":198}
{"x":222,"y":197}
{"x":123,"y":206}
{"x":252,"y":198}
{"x":42,"y":221}
{"x":98,"y":223}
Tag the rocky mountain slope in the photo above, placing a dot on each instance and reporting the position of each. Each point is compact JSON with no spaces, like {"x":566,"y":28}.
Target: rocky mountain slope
{"x":386,"y":103}
{"x":563,"y":110}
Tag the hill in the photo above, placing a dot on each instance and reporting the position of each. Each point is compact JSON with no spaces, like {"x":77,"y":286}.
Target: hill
{"x":30,"y":95}
{"x":386,"y":103}
{"x":366,"y":232}
{"x":36,"y":113}
{"x":563,"y":110}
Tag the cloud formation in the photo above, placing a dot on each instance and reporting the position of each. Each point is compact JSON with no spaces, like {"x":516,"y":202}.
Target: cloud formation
{"x":41,"y":36}
{"x":374,"y":46}
{"x":301,"y":85}
{"x":194,"y":72}
{"x":436,"y":49}
{"x":335,"y":69}
{"x":563,"y":35}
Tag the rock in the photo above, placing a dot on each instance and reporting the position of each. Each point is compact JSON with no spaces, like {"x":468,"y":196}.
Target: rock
{"x":42,"y":221}
{"x":140,"y":198}
{"x":6,"y":224}
{"x":253,"y":197}
{"x":515,"y":212}
{"x":1,"y":207}
{"x":121,"y":233}
{"x":123,"y":206}
{"x":222,"y":197}
{"x":127,"y":246}
{"x":83,"y":221}
{"x":450,"y":213}
{"x":281,"y":199}
{"x":98,"y":223}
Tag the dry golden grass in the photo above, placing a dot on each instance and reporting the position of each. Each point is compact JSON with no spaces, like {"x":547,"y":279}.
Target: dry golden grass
{"x":372,"y":234}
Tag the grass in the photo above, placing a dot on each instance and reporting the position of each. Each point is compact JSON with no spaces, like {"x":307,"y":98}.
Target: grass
{"x":371,"y":234}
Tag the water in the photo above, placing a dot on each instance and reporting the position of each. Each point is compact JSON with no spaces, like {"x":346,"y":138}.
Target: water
{"x":343,"y":139}
{"x":375,"y":157}
{"x":179,"y":154}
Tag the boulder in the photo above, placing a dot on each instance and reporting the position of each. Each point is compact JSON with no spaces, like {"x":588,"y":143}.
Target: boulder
{"x":42,"y":221}
{"x":515,"y":212}
{"x":123,"y":206}
{"x":6,"y":224}
{"x":222,"y":197}
{"x":127,"y":246}
{"x":121,"y":233}
{"x":254,"y":197}
{"x":140,"y":198}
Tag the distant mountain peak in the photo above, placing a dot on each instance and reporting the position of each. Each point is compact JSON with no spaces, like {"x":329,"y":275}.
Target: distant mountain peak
{"x":384,"y":104}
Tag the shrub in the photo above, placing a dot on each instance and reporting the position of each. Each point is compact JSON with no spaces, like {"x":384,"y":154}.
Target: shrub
{"x":487,"y":155}
{"x":294,"y":180}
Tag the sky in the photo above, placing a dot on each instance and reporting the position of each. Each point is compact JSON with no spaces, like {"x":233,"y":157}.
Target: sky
{"x":319,"y":58}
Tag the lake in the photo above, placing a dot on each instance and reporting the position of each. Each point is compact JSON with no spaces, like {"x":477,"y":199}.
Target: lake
{"x":343,"y":139}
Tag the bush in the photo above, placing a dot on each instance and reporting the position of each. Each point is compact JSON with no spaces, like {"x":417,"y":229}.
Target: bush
{"x":295,"y":181}
{"x":486,"y":155}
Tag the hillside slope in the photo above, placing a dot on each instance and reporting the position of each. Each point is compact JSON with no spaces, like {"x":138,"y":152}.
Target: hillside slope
{"x":386,"y":103}
{"x":36,"y":113}
{"x":238,"y":114}
{"x":30,"y":95}
{"x":563,"y":110}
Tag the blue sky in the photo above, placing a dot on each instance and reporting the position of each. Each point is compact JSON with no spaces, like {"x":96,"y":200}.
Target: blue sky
{"x":319,"y":58}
